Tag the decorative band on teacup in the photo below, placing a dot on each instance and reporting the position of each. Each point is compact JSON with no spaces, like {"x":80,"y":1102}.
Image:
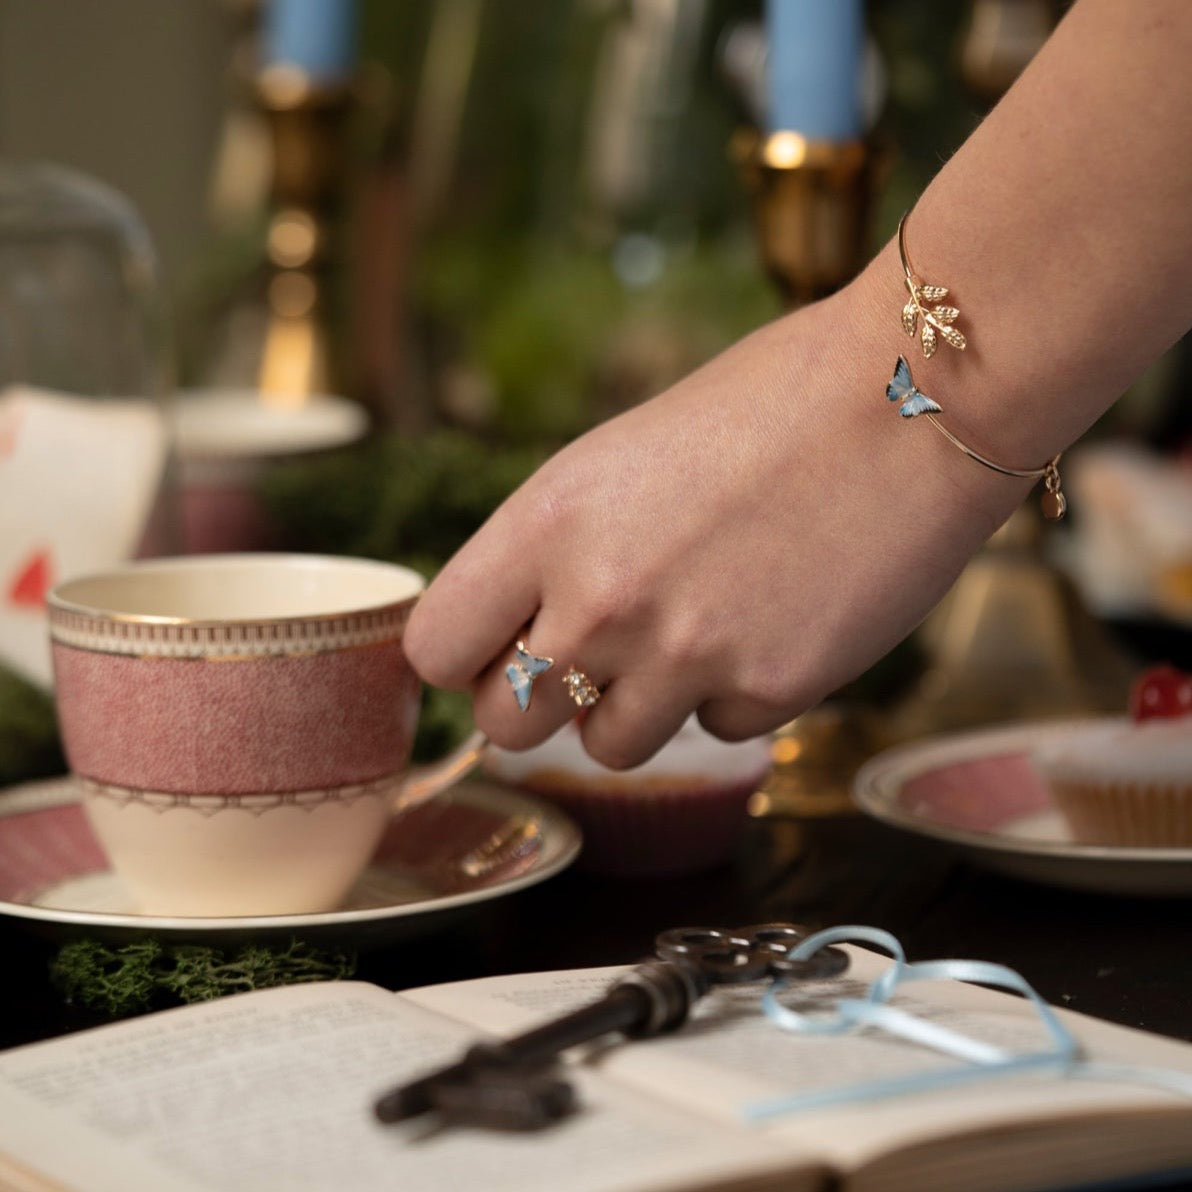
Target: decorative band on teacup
{"x":163,"y":638}
{"x":253,"y":804}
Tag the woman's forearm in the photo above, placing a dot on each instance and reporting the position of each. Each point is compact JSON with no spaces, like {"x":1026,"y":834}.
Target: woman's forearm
{"x":1063,"y":228}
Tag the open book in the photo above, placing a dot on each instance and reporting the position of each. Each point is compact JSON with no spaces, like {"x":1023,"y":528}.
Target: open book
{"x":274,"y":1090}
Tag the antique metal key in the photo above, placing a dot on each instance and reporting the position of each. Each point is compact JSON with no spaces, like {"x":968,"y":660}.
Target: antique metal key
{"x":514,"y":1085}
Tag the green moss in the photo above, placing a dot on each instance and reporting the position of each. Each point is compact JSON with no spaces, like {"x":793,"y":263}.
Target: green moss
{"x":115,"y":981}
{"x":29,"y":745}
{"x":446,"y":719}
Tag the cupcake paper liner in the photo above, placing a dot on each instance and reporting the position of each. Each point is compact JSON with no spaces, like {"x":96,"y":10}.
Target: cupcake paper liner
{"x":655,"y":833}
{"x":1157,"y":815}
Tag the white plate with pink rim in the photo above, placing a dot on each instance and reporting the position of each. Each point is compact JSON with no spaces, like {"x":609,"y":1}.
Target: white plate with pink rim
{"x":469,"y":845}
{"x":978,"y":793}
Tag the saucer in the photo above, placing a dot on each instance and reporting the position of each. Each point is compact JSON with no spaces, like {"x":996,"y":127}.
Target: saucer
{"x":978,"y":793}
{"x":469,"y":845}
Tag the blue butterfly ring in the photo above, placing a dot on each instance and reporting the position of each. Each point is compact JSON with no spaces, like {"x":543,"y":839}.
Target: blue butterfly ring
{"x":523,"y":670}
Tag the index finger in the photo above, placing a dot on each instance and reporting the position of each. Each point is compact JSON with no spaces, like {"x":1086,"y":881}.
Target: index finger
{"x":475,"y":607}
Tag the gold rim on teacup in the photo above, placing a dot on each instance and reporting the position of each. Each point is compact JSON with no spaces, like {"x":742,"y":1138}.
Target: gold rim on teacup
{"x":85,"y":613}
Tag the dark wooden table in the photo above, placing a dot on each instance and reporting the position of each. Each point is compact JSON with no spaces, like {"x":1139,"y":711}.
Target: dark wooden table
{"x":1118,"y":958}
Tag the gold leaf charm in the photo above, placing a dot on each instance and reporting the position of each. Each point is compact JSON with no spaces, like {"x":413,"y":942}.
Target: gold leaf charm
{"x":937,"y":320}
{"x":952,"y":336}
{"x":925,"y":301}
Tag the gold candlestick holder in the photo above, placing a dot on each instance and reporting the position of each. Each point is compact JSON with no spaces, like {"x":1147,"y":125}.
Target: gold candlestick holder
{"x":815,"y":758}
{"x":1012,"y":640}
{"x":308,"y":130}
{"x":811,"y":203}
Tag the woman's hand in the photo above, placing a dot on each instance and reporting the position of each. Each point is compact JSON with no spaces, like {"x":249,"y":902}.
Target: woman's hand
{"x":739,"y":546}
{"x":762,"y":532}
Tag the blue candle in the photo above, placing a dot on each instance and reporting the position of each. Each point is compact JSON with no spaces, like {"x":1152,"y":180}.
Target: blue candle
{"x":813,"y":67}
{"x":317,"y":37}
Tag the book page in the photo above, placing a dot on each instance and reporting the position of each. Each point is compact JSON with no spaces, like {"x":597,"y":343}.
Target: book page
{"x":730,"y":1057}
{"x":274,"y":1089}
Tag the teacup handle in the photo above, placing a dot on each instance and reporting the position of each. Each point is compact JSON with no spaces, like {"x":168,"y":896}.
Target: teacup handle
{"x":427,"y":781}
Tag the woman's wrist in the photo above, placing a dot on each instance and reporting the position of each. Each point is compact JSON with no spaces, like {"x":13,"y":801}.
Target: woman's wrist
{"x":931,"y":467}
{"x":1004,"y":392}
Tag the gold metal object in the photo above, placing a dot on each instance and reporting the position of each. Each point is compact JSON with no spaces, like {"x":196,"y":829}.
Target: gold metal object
{"x":815,"y":758}
{"x":308,"y":127}
{"x":518,"y":837}
{"x":1173,"y":591}
{"x":427,"y":781}
{"x":916,"y":403}
{"x":926,"y":304}
{"x":1011,"y":641}
{"x":937,"y":323}
{"x":1054,"y":504}
{"x":580,"y":688}
{"x":810,"y":207}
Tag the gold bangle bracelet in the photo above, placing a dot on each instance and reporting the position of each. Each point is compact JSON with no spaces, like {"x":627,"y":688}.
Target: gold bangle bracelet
{"x":933,"y":320}
{"x":914,"y":402}
{"x":1054,"y":503}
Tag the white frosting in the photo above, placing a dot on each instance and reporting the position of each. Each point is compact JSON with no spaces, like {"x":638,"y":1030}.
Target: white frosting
{"x":692,"y":753}
{"x":1121,"y":750}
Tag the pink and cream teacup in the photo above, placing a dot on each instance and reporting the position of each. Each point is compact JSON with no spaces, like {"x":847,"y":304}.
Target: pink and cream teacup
{"x":240,"y":725}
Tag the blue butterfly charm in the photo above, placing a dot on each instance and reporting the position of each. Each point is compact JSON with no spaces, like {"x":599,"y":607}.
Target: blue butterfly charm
{"x":522,"y":672}
{"x":902,"y":388}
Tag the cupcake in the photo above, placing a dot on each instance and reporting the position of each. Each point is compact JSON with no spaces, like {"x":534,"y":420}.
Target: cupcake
{"x":680,"y":812}
{"x":1127,"y":781}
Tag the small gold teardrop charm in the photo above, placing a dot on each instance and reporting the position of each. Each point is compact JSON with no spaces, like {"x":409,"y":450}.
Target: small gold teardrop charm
{"x":1054,"y":505}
